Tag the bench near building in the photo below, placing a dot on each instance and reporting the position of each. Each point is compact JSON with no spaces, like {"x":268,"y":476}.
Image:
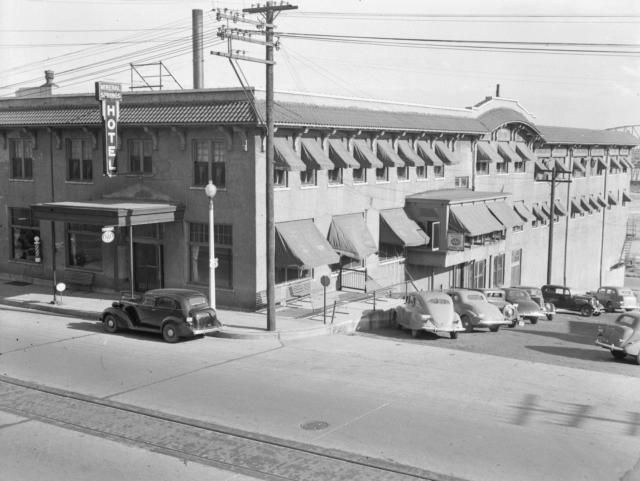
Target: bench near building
{"x":371,"y":194}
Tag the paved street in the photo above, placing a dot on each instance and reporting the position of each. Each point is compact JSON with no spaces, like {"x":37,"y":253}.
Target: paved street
{"x":535,"y":402}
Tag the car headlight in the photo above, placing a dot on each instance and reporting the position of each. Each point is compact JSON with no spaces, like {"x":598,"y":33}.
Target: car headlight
{"x":549,"y":307}
{"x":508,"y":310}
{"x":425,"y":317}
{"x":189,"y":320}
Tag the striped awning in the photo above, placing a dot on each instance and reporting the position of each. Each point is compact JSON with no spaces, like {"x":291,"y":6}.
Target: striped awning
{"x":611,"y":199}
{"x":525,"y":152}
{"x":559,"y":208}
{"x":446,"y":154}
{"x":398,"y":229}
{"x":585,"y":205}
{"x":427,"y":153}
{"x":559,"y":164}
{"x":576,"y":208}
{"x":577,"y":165}
{"x":537,"y":211}
{"x":475,"y":219}
{"x":505,"y":214}
{"x":508,"y":153}
{"x":601,"y":201}
{"x":487,"y":152}
{"x":300,"y":243}
{"x":285,"y":157}
{"x":387,"y":155}
{"x":365,"y":156}
{"x":594,"y":202}
{"x":523,"y":212}
{"x":409,"y":156}
{"x":340,"y":156}
{"x":613,"y":162}
{"x":313,"y":155}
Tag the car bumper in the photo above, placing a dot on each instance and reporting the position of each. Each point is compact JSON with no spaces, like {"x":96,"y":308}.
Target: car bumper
{"x":204,"y":330}
{"x":608,"y":346}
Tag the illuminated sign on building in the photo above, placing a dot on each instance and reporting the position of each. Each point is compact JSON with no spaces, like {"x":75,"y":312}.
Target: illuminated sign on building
{"x":110,"y":94}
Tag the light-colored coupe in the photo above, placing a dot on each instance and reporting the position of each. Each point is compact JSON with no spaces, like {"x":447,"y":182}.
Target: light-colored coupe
{"x":430,"y":311}
{"x":475,"y":311}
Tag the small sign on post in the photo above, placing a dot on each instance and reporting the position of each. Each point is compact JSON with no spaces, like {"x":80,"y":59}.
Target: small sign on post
{"x":325,"y":281}
{"x":108,"y":235}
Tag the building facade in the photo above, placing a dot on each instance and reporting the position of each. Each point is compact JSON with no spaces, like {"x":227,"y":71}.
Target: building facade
{"x":369,"y":194}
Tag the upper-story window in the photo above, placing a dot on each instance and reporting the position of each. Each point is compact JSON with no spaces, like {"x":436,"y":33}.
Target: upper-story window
{"x":208,"y":153}
{"x":280,"y":177}
{"x":79,"y":160}
{"x":421,"y":172}
{"x":335,"y":176}
{"x":403,"y":173}
{"x":518,"y":166}
{"x":309,"y":177}
{"x":462,"y":182}
{"x":140,"y":161}
{"x":360,"y":175}
{"x":482,"y":167}
{"x":502,"y":167}
{"x":382,"y":174}
{"x":21,"y":154}
{"x":438,"y":171}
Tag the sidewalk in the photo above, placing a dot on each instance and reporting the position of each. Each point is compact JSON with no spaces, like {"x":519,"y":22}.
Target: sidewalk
{"x":292,"y":321}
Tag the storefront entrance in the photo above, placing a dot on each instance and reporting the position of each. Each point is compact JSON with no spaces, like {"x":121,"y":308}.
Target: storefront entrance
{"x":147,"y":268}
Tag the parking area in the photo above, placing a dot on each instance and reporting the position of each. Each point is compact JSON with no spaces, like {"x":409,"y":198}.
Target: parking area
{"x":567,"y":340}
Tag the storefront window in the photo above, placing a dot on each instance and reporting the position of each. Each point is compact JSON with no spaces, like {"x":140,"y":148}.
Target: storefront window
{"x":24,"y":230}
{"x":199,"y":254}
{"x":479,"y":274}
{"x":84,"y":246}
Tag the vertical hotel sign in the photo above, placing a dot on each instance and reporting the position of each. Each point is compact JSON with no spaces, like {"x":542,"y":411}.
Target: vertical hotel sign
{"x":110,"y":94}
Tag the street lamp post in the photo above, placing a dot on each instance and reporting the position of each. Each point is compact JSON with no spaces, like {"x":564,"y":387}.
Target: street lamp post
{"x":210,"y":190}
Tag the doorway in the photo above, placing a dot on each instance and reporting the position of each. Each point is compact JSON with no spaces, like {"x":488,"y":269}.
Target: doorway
{"x":147,"y":270}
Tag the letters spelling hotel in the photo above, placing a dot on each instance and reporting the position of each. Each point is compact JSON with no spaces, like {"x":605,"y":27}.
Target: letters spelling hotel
{"x":370,"y":194}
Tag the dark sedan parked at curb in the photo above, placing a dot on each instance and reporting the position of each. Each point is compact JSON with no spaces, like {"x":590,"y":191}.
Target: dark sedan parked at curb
{"x":623,"y":337}
{"x":536,"y":296}
{"x":174,"y":313}
{"x":562,"y":298}
{"x":527,"y":308}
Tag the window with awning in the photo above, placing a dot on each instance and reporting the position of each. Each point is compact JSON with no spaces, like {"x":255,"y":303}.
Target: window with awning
{"x":559,"y":208}
{"x":487,"y":153}
{"x":594,"y":203}
{"x":611,"y":199}
{"x":475,"y":219}
{"x":539,"y":213}
{"x":313,"y":155}
{"x":626,"y":198}
{"x":576,"y":208}
{"x":505,"y":214}
{"x":299,"y":243}
{"x":365,"y":156}
{"x":578,"y":167}
{"x":285,"y":157}
{"x":410,"y":157}
{"x":387,"y":155}
{"x":601,"y":201}
{"x":340,"y":156}
{"x":559,"y":164}
{"x":396,"y":228}
{"x":584,"y":204}
{"x":525,"y":152}
{"x":602,"y":165}
{"x":427,"y":153}
{"x":523,"y":212}
{"x":508,"y":153}
{"x":546,"y":210}
{"x":349,"y":236}
{"x":446,"y":154}
{"x":613,"y":162}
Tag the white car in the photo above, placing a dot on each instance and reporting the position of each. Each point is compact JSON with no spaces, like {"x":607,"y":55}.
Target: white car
{"x":428,"y":311}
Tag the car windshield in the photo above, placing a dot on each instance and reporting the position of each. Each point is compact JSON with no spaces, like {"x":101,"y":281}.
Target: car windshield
{"x":438,"y":300}
{"x":197,"y":301}
{"x":627,"y":321}
{"x":477,"y":297}
{"x":518,"y":294}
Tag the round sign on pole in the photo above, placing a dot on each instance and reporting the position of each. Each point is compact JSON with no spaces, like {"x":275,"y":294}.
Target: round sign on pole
{"x":325,"y":281}
{"x":61,"y":286}
{"x":108,"y":235}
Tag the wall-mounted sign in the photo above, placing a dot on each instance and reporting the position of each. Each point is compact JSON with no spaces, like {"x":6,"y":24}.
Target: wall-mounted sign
{"x":110,"y":94}
{"x":580,"y":152}
{"x":613,"y":151}
{"x":455,"y":241}
{"x":108,"y":235}
{"x":624,"y":151}
{"x":597,"y":151}
{"x":558,"y":152}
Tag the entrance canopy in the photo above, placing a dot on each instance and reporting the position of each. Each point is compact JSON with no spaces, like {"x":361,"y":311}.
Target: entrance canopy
{"x":109,"y":212}
{"x":349,"y":236}
{"x":300,"y":243}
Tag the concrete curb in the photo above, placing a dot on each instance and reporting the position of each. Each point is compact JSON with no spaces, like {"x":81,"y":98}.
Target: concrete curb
{"x":88,"y":315}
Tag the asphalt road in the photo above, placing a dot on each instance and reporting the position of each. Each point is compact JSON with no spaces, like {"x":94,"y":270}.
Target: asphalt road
{"x":536,"y":402}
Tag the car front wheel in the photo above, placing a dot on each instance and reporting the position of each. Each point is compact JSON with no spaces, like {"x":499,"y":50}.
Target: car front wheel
{"x":494,"y":328}
{"x":609,"y":306}
{"x":454,"y":334}
{"x":586,"y":311}
{"x":618,"y":354}
{"x":466,"y":323}
{"x":110,"y":324}
{"x":170,"y":332}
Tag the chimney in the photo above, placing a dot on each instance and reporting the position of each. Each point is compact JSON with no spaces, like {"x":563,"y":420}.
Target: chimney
{"x":196,"y":26}
{"x":48,"y":76}
{"x":497,"y":90}
{"x":45,"y":90}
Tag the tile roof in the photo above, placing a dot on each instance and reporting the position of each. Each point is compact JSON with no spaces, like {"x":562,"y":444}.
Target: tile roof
{"x":495,"y":118}
{"x":570,"y":135}
{"x":310,"y":115}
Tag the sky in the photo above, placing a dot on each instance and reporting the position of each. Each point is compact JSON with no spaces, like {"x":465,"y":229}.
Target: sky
{"x":83,"y":41}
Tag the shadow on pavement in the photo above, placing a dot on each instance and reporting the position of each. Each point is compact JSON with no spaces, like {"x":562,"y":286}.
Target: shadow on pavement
{"x":580,"y":332}
{"x":96,"y":327}
{"x":595,"y":354}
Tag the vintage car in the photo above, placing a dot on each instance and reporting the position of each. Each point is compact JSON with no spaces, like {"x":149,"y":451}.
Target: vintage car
{"x":536,"y":296}
{"x":174,"y":313}
{"x":527,"y":308}
{"x":623,"y":337}
{"x":562,"y":298}
{"x":613,"y":298}
{"x":475,"y":311}
{"x":428,"y":311}
{"x":498,"y":298}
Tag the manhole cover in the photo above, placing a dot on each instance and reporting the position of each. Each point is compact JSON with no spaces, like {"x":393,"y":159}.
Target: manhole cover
{"x":314,"y":425}
{"x":18,"y":283}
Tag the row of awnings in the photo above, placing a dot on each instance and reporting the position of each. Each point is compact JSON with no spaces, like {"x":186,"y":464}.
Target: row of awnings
{"x":503,"y":152}
{"x":579,"y":205}
{"x":299,"y":243}
{"x":313,"y":157}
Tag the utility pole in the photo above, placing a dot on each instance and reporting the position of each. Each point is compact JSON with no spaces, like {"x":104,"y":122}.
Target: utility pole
{"x":269,"y":11}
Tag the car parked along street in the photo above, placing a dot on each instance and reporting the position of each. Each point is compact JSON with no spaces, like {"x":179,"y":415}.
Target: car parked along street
{"x":623,"y":337}
{"x":613,"y":298}
{"x":430,"y":311}
{"x":562,"y":297}
{"x":475,"y":311}
{"x":527,"y":308}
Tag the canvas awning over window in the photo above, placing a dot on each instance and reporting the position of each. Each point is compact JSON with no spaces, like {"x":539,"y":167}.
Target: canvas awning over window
{"x":601,"y":201}
{"x":601,"y":163}
{"x":559,"y":163}
{"x":408,"y":154}
{"x":614,"y":163}
{"x":541,"y":167}
{"x":349,"y":236}
{"x":612,"y":200}
{"x":584,"y":204}
{"x":365,"y":156}
{"x":559,"y":208}
{"x":387,"y":155}
{"x":546,"y":210}
{"x":109,"y":212}
{"x":340,"y":156}
{"x":398,"y":229}
{"x":594,"y":203}
{"x":537,"y":211}
{"x":314,"y":156}
{"x":626,"y":197}
{"x":427,"y":153}
{"x":488,"y":153}
{"x":576,"y":208}
{"x":525,"y":152}
{"x":505,"y":214}
{"x":300,"y":243}
{"x":508,"y":153}
{"x":475,"y":219}
{"x":577,"y":165}
{"x":446,"y":154}
{"x":285,"y":157}
{"x":523,"y":212}
{"x":626,"y":161}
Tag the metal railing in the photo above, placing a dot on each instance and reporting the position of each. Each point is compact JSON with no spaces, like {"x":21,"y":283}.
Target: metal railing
{"x":355,"y":279}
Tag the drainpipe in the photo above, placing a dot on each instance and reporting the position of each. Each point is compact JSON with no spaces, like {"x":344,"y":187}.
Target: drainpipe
{"x":474,"y":159}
